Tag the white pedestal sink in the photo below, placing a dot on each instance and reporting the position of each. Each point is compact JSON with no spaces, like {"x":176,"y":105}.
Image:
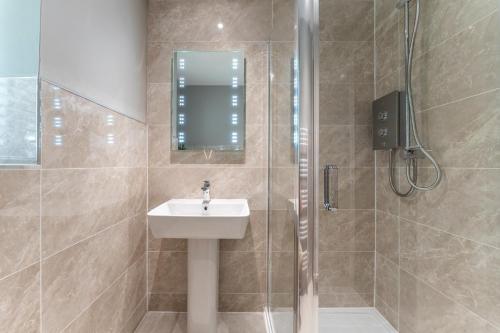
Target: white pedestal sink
{"x":186,"y":218}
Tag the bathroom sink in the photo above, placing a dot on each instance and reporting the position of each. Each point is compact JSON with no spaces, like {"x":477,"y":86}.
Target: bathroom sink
{"x":186,"y":218}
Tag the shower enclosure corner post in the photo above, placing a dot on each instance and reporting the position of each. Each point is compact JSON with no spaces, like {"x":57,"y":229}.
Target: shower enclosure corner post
{"x":308,"y":97}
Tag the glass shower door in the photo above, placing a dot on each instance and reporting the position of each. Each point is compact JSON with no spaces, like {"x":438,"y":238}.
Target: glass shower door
{"x":292,"y":285}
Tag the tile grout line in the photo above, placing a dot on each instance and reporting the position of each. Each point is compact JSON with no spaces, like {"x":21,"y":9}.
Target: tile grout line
{"x":450,"y":299}
{"x":125,"y":220}
{"x":469,"y":26}
{"x":441,"y":230}
{"x":112,"y":284}
{"x":450,"y":234}
{"x":463,"y":99}
{"x":134,"y":311}
{"x":20,"y":270}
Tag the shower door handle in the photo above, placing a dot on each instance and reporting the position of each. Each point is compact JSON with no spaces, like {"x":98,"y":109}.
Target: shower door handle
{"x":330,"y":170}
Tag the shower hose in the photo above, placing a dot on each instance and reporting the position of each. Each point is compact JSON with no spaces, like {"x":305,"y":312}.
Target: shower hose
{"x":411,"y":152}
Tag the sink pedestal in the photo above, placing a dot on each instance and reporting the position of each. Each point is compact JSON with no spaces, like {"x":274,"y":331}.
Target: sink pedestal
{"x":203,"y":279}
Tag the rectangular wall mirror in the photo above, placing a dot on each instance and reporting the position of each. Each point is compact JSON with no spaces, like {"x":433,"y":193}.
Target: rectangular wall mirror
{"x":208,"y":100}
{"x":19,"y":84}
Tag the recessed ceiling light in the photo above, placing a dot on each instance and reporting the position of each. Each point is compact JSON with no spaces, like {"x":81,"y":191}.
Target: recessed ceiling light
{"x":220,"y":26}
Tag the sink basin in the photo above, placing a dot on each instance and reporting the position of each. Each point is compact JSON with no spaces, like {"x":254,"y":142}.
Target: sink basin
{"x":185,"y":218}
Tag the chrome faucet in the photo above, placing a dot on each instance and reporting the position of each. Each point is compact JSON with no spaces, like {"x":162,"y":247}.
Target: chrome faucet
{"x":206,"y":194}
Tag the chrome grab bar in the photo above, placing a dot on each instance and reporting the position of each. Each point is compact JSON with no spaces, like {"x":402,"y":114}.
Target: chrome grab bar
{"x":330,"y":205}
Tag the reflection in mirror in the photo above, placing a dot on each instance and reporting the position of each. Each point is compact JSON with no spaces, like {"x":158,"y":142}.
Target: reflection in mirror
{"x":19,"y":59}
{"x":208,"y":102}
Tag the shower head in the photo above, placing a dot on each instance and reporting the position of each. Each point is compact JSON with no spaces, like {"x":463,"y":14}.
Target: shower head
{"x":401,"y":3}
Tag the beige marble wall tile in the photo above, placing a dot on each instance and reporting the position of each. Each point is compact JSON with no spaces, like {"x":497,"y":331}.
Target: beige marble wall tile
{"x":19,"y":219}
{"x":388,"y":53}
{"x":282,"y":273}
{"x":463,"y":270}
{"x":256,"y":104}
{"x":77,"y":203}
{"x":363,"y":97}
{"x":282,"y":188}
{"x":364,"y":156}
{"x":282,"y":301}
{"x":389,"y":83}
{"x":70,"y":284}
{"x":336,"y":104}
{"x":255,"y":236}
{"x":136,"y":318}
{"x":364,"y":187}
{"x":465,"y":134}
{"x":283,"y":20}
{"x":462,"y":66}
{"x":384,"y":10}
{"x":159,"y":99}
{"x":346,"y":62}
{"x":477,"y":218}
{"x":346,"y":272}
{"x":20,"y":301}
{"x":387,"y":286}
{"x":176,"y":302}
{"x":167,"y":272}
{"x":387,"y":234}
{"x":77,"y":133}
{"x":443,"y":19}
{"x":253,"y":302}
{"x":242,"y":272}
{"x":282,"y":55}
{"x":166,"y":244}
{"x":337,"y":145}
{"x":347,"y":230}
{"x":113,"y":309}
{"x":346,"y":20}
{"x":423,"y":309}
{"x":281,"y":112}
{"x":282,"y":149}
{"x":282,"y":233}
{"x":180,"y":20}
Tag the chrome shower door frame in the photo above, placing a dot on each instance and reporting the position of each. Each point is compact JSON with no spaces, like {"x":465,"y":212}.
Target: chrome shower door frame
{"x":307,"y":53}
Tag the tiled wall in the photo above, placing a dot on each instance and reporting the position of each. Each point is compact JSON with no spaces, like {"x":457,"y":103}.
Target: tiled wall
{"x":73,"y":231}
{"x":346,"y":243}
{"x":192,"y":25}
{"x":438,"y":253}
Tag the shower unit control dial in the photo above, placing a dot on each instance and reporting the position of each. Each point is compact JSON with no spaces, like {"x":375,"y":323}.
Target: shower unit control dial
{"x":382,"y":115}
{"x":386,"y":119}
